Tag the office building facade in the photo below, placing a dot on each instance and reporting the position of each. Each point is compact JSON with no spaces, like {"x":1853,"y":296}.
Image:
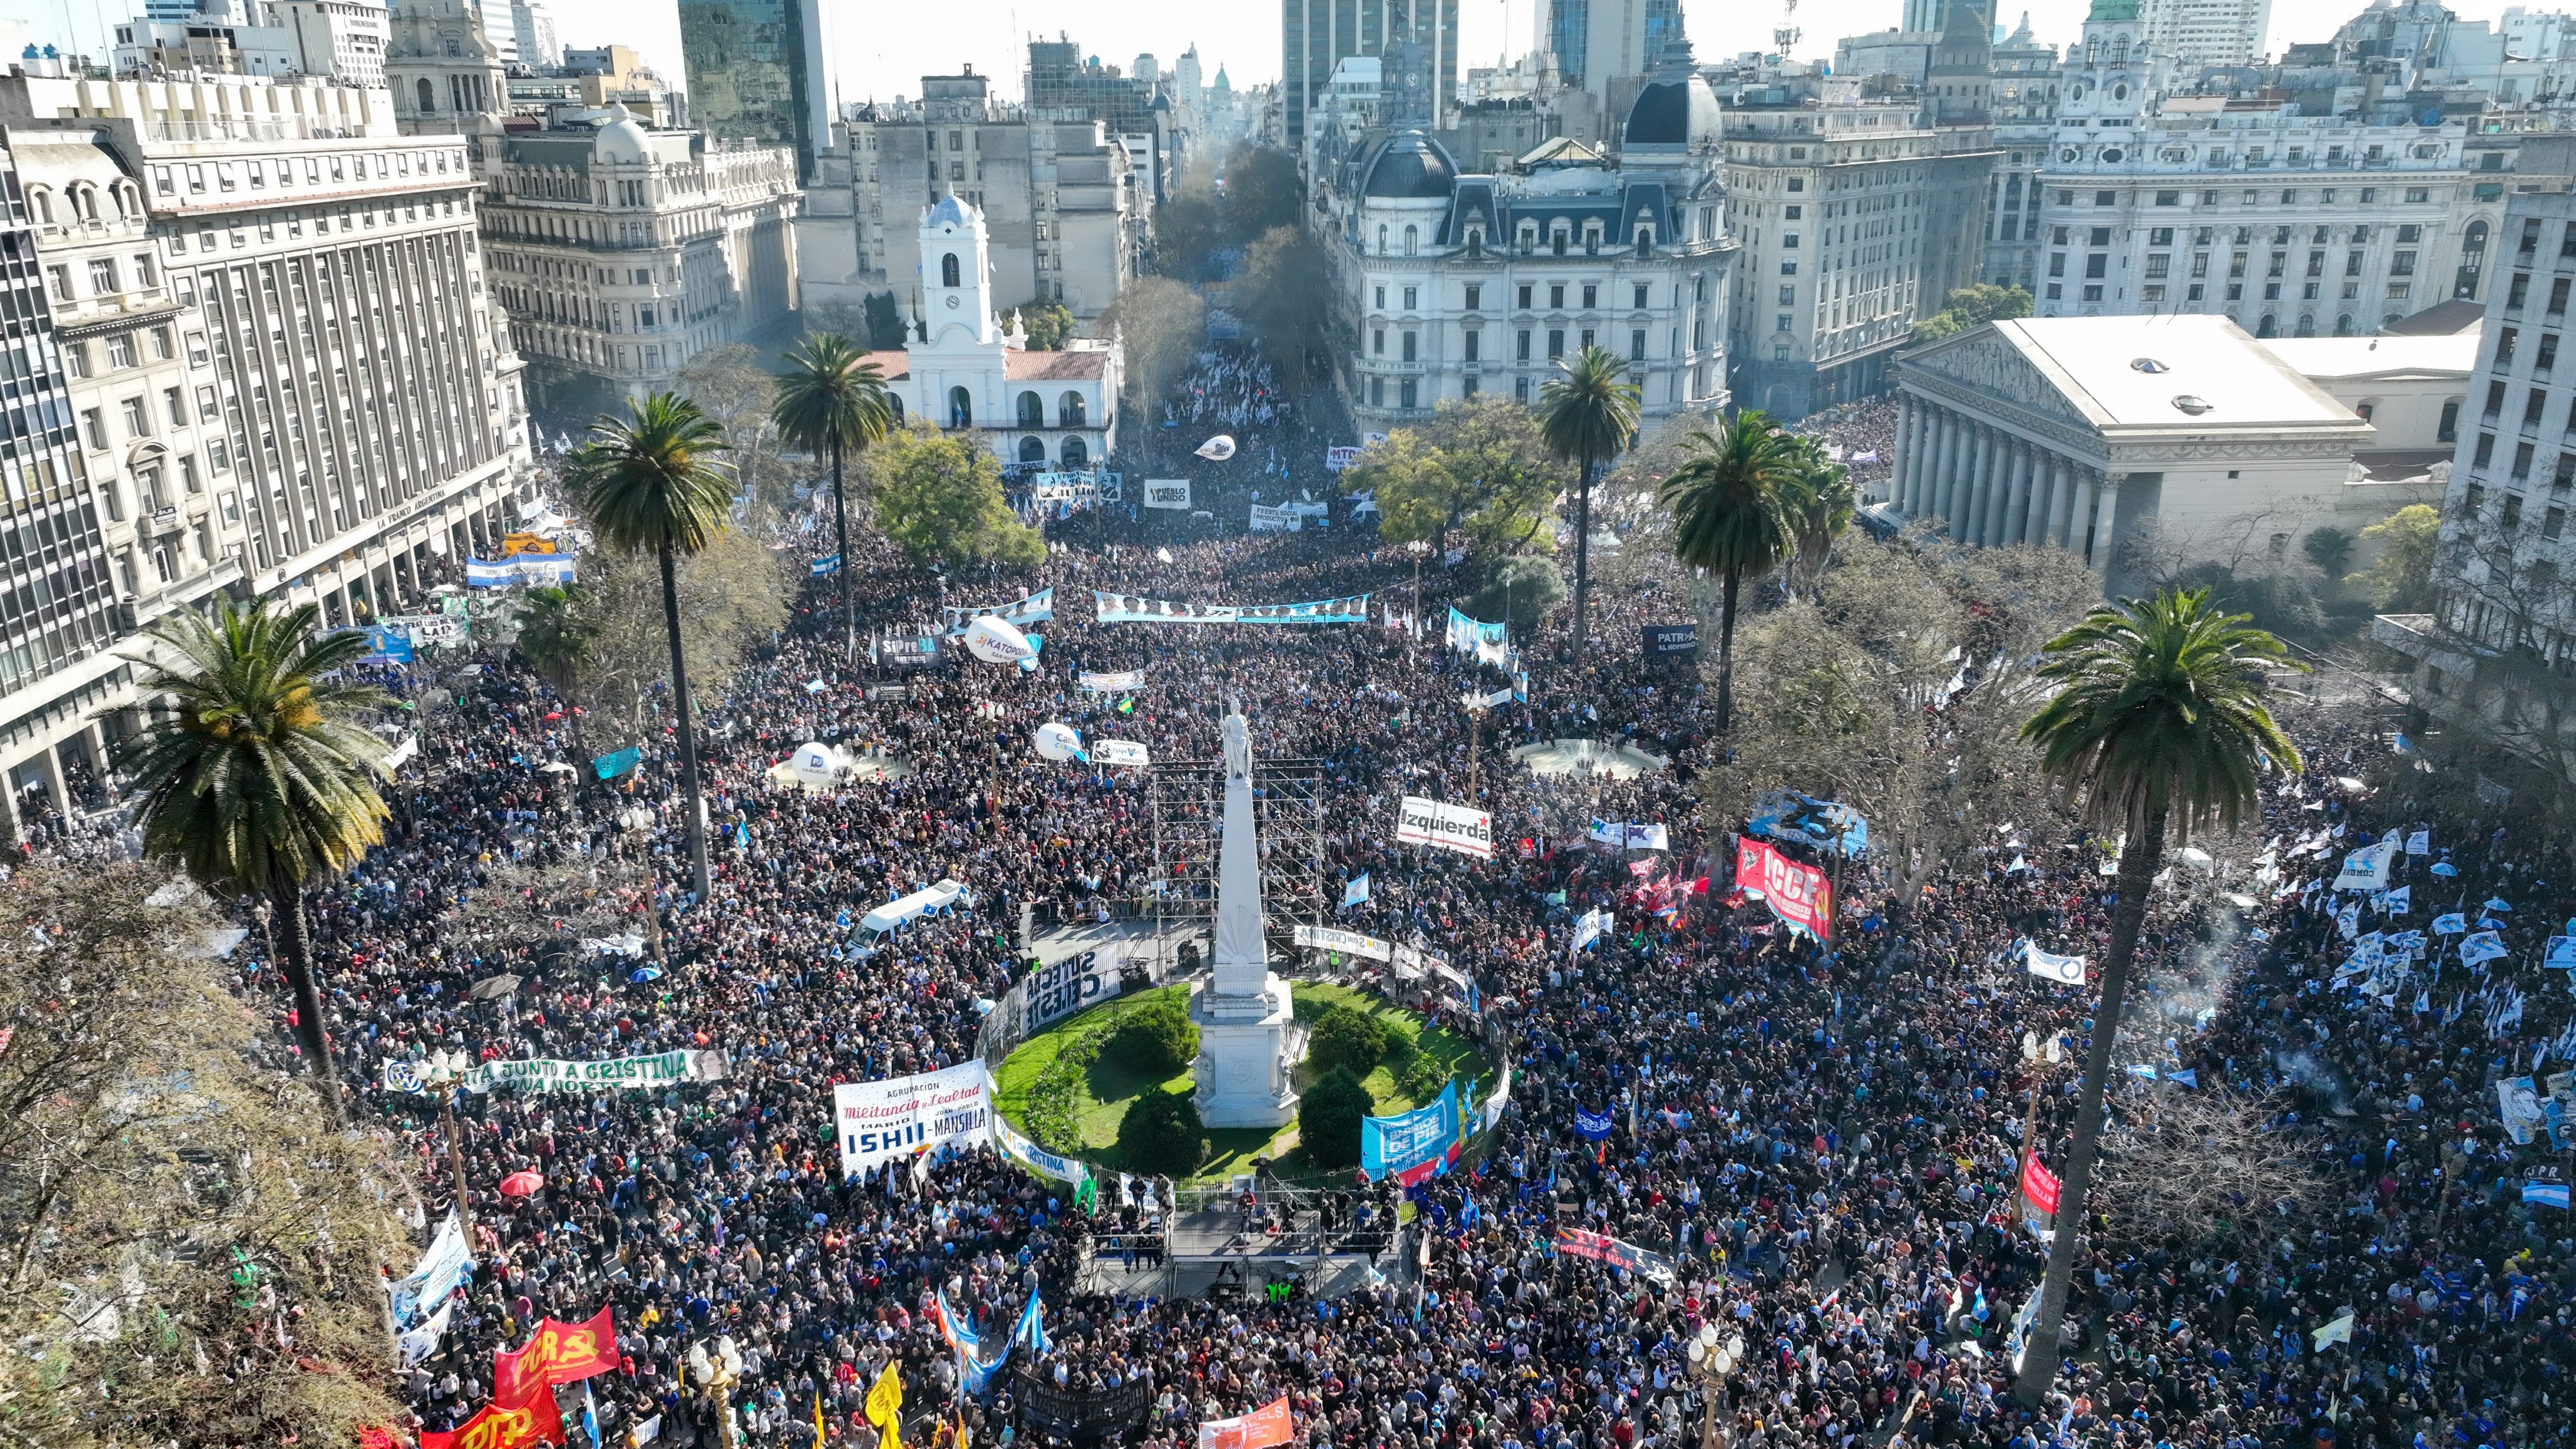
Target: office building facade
{"x":1318,"y":35}
{"x":757,"y":71}
{"x":280,"y":367}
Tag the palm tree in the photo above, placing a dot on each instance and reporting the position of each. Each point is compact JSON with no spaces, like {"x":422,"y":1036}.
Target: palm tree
{"x":1730,"y":517}
{"x":1821,"y":503}
{"x":260,"y":777}
{"x":832,"y":399}
{"x":648,"y":485}
{"x":1588,"y":416}
{"x":2158,"y":727}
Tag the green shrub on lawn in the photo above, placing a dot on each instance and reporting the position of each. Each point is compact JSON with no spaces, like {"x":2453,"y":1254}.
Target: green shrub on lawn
{"x":1346,"y":1040}
{"x":1156,"y":1040}
{"x":1162,"y":1133}
{"x":1328,"y":1119}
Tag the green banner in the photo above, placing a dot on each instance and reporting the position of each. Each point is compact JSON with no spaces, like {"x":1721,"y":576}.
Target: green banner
{"x":544,"y":1074}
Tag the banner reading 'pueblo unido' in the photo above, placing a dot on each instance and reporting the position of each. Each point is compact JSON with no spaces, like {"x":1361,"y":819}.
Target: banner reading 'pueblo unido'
{"x":882,"y":1121}
{"x":1461,"y":828}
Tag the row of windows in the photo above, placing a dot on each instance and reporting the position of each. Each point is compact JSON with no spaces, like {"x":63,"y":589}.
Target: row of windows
{"x":2553,"y":518}
{"x":1526,"y":294}
{"x":2158,"y":264}
{"x":2253,"y":196}
{"x":1471,"y":345}
{"x":256,"y":174}
{"x":2409,"y":234}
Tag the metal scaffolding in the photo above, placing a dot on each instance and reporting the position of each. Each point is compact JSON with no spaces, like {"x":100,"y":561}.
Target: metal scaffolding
{"x":1188,"y":813}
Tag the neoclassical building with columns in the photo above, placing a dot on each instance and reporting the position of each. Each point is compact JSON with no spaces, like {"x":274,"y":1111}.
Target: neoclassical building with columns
{"x":2134,"y":441}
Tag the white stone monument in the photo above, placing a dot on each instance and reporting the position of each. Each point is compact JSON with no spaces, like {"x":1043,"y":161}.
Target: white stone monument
{"x":1243,"y":1012}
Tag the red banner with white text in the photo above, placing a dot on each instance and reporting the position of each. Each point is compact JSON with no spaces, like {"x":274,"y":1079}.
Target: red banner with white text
{"x":1798,"y":894}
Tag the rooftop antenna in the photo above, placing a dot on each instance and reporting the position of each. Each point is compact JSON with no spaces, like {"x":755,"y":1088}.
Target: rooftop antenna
{"x":1787,"y":35}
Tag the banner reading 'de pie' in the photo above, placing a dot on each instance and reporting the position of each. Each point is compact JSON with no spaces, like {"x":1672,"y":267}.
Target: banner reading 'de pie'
{"x":1798,"y":894}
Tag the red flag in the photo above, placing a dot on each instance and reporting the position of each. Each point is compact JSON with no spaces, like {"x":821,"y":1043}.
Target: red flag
{"x":1798,"y":894}
{"x":506,"y":1423}
{"x":559,"y":1353}
{"x":2038,"y":1184}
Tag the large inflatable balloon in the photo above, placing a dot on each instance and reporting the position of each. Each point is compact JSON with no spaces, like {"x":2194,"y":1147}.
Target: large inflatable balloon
{"x":816,"y":764}
{"x":1057,"y":741}
{"x":1218,"y":448}
{"x":995,"y":641}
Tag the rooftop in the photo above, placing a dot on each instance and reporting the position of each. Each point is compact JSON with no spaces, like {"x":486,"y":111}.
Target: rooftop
{"x":2199,"y":373}
{"x":2453,"y":354}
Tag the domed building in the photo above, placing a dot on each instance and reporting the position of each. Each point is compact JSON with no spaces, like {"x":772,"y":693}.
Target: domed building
{"x":1460,"y":284}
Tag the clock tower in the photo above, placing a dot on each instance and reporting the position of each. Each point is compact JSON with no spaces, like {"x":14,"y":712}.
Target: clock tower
{"x":956,"y":277}
{"x":1406,"y":80}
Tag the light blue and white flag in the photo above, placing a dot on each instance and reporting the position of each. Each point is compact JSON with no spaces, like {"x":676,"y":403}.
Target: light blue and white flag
{"x":1356,"y":892}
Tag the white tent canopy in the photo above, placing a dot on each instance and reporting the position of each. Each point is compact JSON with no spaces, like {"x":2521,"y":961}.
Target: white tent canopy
{"x":912,"y":907}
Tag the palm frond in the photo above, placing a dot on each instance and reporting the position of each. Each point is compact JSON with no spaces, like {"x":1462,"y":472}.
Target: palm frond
{"x":262,"y":773}
{"x":1730,"y":515}
{"x":649,"y":481}
{"x":1589,"y":412}
{"x":831,"y":393}
{"x":2159,"y":713}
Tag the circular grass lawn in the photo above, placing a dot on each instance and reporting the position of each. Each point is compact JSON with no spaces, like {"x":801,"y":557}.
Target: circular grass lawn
{"x":1062,"y":1089}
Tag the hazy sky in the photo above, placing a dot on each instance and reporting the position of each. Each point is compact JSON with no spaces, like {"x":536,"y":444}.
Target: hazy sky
{"x":888,"y":45}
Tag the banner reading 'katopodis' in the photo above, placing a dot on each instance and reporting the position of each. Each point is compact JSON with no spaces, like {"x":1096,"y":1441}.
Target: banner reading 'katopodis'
{"x":1132,"y":609}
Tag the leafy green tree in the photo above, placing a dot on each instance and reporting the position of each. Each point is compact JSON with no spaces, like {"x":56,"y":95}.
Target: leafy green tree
{"x":884,"y":322}
{"x":2157,"y":727}
{"x":1521,"y":588}
{"x":604,"y":644}
{"x":261,"y":777}
{"x":1346,"y":1040}
{"x":832,"y":401}
{"x":1156,"y":1039}
{"x":2400,"y":580}
{"x":939,"y":499}
{"x":1479,"y":465}
{"x":1972,"y":306}
{"x":1730,"y":517}
{"x":1328,"y":1119}
{"x":1587,"y":415}
{"x":1049,"y":325}
{"x":1162,"y":1133}
{"x":649,"y":484}
{"x":1284,"y":271}
{"x":1189,"y":230}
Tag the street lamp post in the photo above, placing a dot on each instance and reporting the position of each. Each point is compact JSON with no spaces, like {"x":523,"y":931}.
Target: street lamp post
{"x":1711,"y":1365}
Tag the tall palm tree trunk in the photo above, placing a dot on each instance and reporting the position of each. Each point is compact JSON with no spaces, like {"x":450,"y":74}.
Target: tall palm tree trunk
{"x":2138,"y":863}
{"x":295,"y":957}
{"x":841,"y":541}
{"x":1726,"y":654}
{"x":688,"y":738}
{"x":1583,"y":555}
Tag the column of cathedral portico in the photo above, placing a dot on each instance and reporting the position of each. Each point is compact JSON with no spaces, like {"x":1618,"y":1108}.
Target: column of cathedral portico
{"x":1952,"y":486}
{"x":1909,"y":452}
{"x":2061,"y":498}
{"x":1972,"y":508}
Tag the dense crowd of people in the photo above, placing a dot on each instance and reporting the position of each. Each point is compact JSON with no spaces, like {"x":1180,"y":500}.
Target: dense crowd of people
{"x":1822,"y":1146}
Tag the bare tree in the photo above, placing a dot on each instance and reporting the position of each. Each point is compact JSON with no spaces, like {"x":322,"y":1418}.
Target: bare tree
{"x":1900,"y":691}
{"x":2187,"y":1160}
{"x":2503,"y":679}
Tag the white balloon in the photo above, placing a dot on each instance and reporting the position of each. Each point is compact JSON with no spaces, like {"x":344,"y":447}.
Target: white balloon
{"x":994,"y":640}
{"x":1218,"y":448}
{"x":1058,"y":741}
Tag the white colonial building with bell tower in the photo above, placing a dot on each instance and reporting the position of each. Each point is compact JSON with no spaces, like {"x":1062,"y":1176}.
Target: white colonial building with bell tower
{"x":965,"y":369}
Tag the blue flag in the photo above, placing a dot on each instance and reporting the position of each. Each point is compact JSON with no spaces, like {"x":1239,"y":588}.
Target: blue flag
{"x":610,"y":766}
{"x":828,"y":564}
{"x":1592,"y":1126}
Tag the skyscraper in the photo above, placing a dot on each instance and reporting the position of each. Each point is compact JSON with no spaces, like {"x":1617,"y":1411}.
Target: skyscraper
{"x":1317,"y":35}
{"x":757,"y":72}
{"x":1596,"y":40}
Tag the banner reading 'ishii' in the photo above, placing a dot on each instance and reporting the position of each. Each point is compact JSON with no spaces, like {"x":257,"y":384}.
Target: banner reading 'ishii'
{"x":1133,"y":609}
{"x":1800,"y":895}
{"x":1461,"y":828}
{"x":881,"y":1121}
